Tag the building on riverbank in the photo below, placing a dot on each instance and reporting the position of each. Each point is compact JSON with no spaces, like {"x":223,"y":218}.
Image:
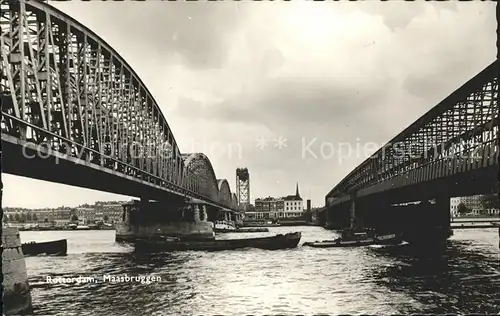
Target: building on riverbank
{"x":109,"y":212}
{"x":290,"y":206}
{"x":37,"y":215}
{"x":267,"y":208}
{"x":294,"y":205}
{"x":476,"y":205}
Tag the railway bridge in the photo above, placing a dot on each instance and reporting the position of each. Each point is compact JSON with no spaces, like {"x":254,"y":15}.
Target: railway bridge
{"x":74,"y":112}
{"x":406,"y":186}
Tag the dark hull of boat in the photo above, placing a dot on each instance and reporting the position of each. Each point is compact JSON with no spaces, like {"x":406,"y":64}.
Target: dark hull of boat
{"x":260,"y":225}
{"x":388,"y":239}
{"x":287,"y":241}
{"x":54,"y":248}
{"x":242,"y":230}
{"x":337,"y":244}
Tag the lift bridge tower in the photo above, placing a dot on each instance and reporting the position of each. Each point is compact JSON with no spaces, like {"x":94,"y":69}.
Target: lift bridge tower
{"x":243,"y":187}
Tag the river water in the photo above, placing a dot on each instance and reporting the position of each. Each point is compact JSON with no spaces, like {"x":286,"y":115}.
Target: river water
{"x":463,"y":278}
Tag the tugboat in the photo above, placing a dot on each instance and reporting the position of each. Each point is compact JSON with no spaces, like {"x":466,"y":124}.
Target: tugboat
{"x":224,"y":226}
{"x":349,"y":238}
{"x":353,"y":238}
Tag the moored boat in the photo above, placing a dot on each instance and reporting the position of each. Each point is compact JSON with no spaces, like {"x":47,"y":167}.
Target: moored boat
{"x":287,"y":241}
{"x":55,"y":248}
{"x":83,"y":227}
{"x":260,"y":224}
{"x":388,"y":239}
{"x":357,"y":239}
{"x":243,"y":230}
{"x":348,"y":238}
{"x":223,"y":225}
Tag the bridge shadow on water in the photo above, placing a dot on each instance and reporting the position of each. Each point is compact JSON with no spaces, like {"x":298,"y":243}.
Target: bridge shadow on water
{"x":451,"y":278}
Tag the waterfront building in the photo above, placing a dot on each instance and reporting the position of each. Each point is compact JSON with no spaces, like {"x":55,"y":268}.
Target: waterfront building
{"x":113,"y":212}
{"x":267,"y":208}
{"x":294,"y":205}
{"x":38,"y":215}
{"x":51,"y":217}
{"x":61,"y":214}
{"x":44,"y":215}
{"x":86,"y":215}
{"x":474,"y":204}
{"x":275,"y":208}
{"x":110,"y":212}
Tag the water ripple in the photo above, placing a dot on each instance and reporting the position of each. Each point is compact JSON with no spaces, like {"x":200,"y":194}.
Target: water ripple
{"x":462,"y":278}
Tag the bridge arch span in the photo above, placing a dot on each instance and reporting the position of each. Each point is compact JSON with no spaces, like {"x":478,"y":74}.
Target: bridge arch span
{"x":234,"y":200}
{"x":225,"y":196}
{"x":200,"y":167}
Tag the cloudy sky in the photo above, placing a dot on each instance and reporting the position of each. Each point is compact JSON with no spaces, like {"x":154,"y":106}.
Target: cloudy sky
{"x":274,"y":87}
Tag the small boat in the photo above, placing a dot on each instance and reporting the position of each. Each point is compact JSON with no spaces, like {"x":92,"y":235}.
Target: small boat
{"x":55,"y":248}
{"x":348,"y":239}
{"x":340,"y":243}
{"x":260,"y":224}
{"x":107,"y":227}
{"x":358,"y":239}
{"x":220,"y":226}
{"x":243,"y":230}
{"x":388,"y":239}
{"x":287,"y":241}
{"x":82,"y":227}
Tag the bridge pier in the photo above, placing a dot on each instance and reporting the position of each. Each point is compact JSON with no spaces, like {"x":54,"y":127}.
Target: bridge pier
{"x":154,"y":220}
{"x":321,"y":217}
{"x":338,"y":216}
{"x":200,"y":213}
{"x":227,"y":216}
{"x":428,"y":223}
{"x":421,"y":222}
{"x":16,"y":288}
{"x":352,"y":213}
{"x":424,"y":222}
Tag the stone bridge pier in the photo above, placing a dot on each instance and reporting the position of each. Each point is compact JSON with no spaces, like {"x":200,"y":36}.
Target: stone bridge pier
{"x":153,"y":220}
{"x":219,"y":214}
{"x":338,"y":216}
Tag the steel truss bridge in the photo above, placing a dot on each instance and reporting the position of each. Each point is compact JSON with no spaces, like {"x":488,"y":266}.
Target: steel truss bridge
{"x":451,"y":150}
{"x":74,"y":112}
